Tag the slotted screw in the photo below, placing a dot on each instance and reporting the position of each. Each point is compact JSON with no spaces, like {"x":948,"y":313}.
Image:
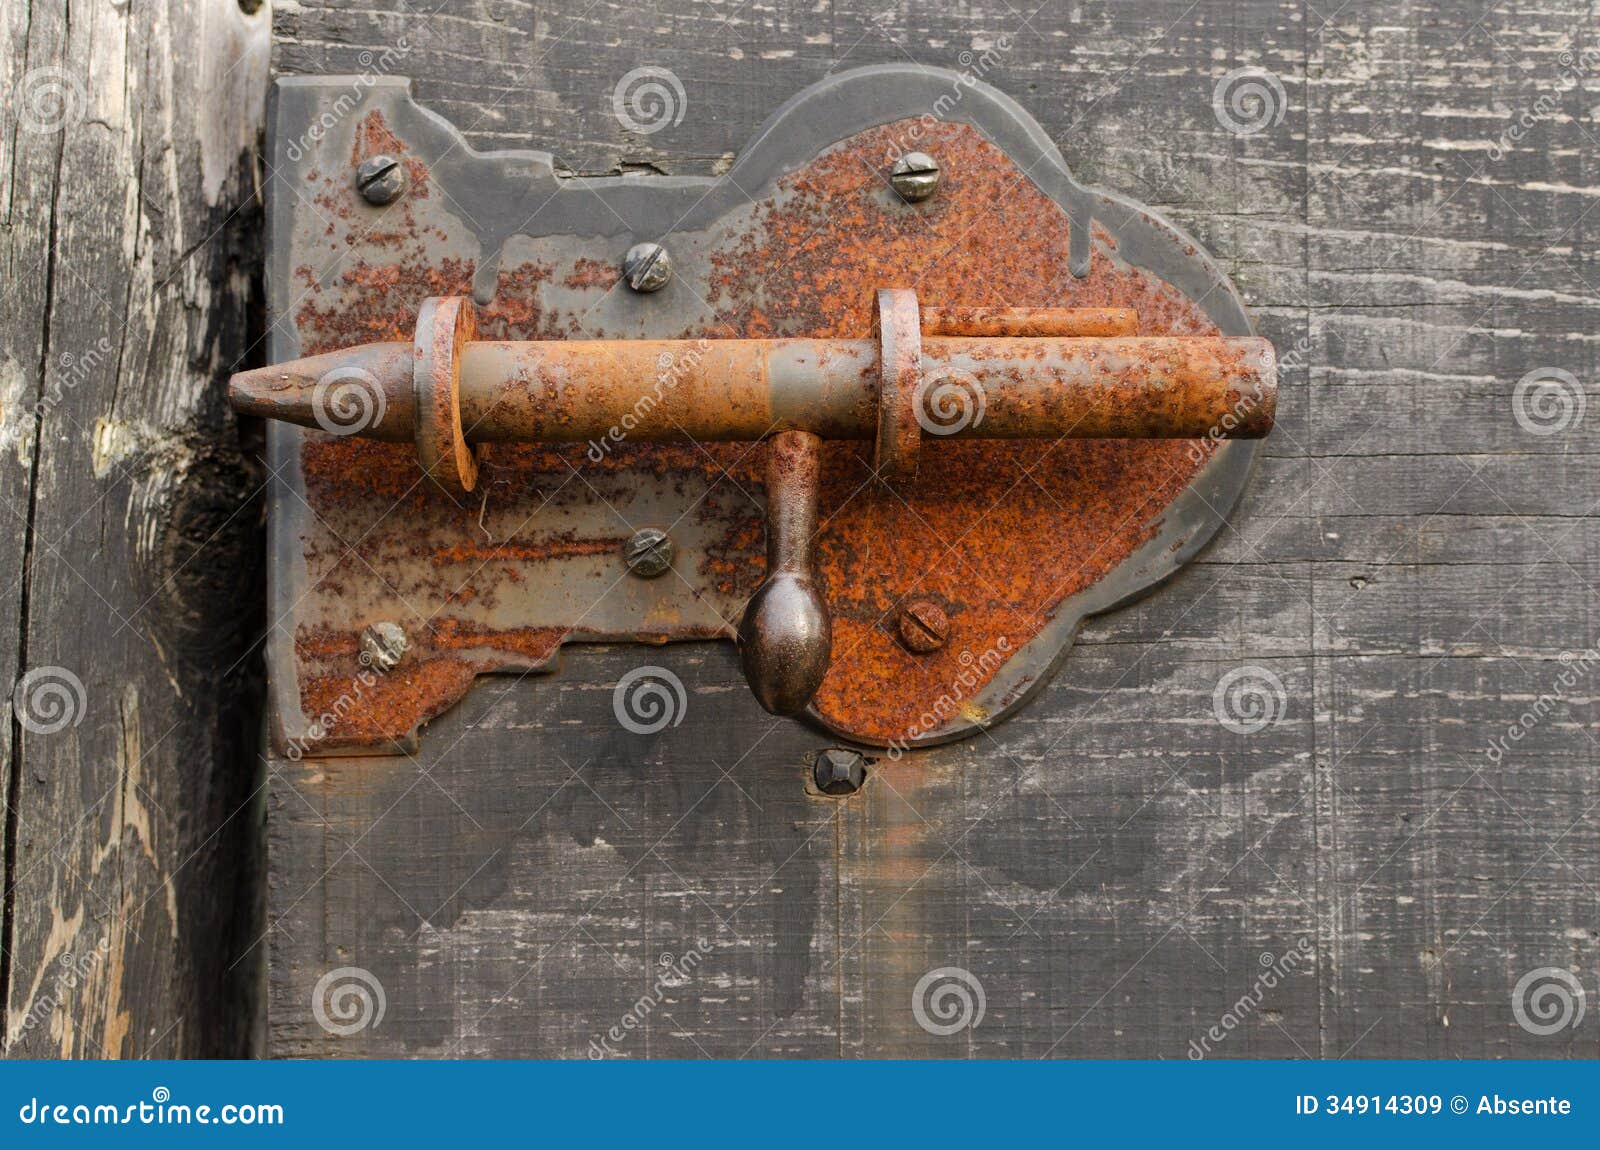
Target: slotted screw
{"x":647,"y":267}
{"x":649,"y":553}
{"x":924,"y":626}
{"x":915,"y":176}
{"x":381,"y":179}
{"x":383,"y":645}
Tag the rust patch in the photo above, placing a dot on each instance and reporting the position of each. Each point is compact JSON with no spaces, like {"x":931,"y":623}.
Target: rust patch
{"x":589,"y":273}
{"x":560,"y":547}
{"x":998,"y":533}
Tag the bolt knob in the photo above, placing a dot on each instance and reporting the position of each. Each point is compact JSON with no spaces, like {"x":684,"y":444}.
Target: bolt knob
{"x":924,"y":626}
{"x":785,"y":639}
{"x":786,"y":635}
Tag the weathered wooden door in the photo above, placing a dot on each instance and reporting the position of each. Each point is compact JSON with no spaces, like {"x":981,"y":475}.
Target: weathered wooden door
{"x":1116,"y":868}
{"x":1329,"y":791}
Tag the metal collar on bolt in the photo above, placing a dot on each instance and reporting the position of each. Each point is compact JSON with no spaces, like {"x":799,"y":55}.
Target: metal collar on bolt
{"x":445,"y":324}
{"x":900,"y":375}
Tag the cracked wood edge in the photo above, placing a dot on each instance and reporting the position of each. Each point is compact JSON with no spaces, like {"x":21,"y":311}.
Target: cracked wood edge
{"x":128,"y":231}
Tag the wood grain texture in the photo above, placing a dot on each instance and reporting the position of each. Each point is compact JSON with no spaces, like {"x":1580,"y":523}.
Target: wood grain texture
{"x":130,"y":558}
{"x":1114,"y":867}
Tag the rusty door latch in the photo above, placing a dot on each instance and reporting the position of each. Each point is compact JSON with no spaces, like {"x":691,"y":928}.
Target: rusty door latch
{"x":1017,"y":373}
{"x":683,"y":413}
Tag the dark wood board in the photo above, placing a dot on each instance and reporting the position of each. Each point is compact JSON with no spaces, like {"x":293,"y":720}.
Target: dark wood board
{"x":1113,"y":865}
{"x":131,"y":553}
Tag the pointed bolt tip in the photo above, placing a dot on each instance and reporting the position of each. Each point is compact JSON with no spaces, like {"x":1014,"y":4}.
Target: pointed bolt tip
{"x":264,"y":390}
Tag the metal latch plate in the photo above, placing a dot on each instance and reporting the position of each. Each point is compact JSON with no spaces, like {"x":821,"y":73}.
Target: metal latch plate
{"x":1014,"y":542}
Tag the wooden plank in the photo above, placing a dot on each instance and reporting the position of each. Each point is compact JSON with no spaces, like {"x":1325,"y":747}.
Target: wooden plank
{"x":131,"y":555}
{"x":24,"y":207}
{"x":544,"y":882}
{"x":1114,"y":867}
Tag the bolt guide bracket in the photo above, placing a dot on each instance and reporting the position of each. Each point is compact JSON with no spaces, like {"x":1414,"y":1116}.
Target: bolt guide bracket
{"x":893,"y":403}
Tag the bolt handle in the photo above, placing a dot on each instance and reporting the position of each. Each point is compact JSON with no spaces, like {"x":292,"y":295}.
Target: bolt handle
{"x":786,"y":635}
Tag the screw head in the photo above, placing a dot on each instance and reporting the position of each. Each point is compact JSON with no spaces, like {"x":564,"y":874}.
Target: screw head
{"x":381,"y":179}
{"x":647,"y":267}
{"x":838,"y":771}
{"x":915,"y":176}
{"x":383,"y":645}
{"x":648,"y":553}
{"x":924,"y":626}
